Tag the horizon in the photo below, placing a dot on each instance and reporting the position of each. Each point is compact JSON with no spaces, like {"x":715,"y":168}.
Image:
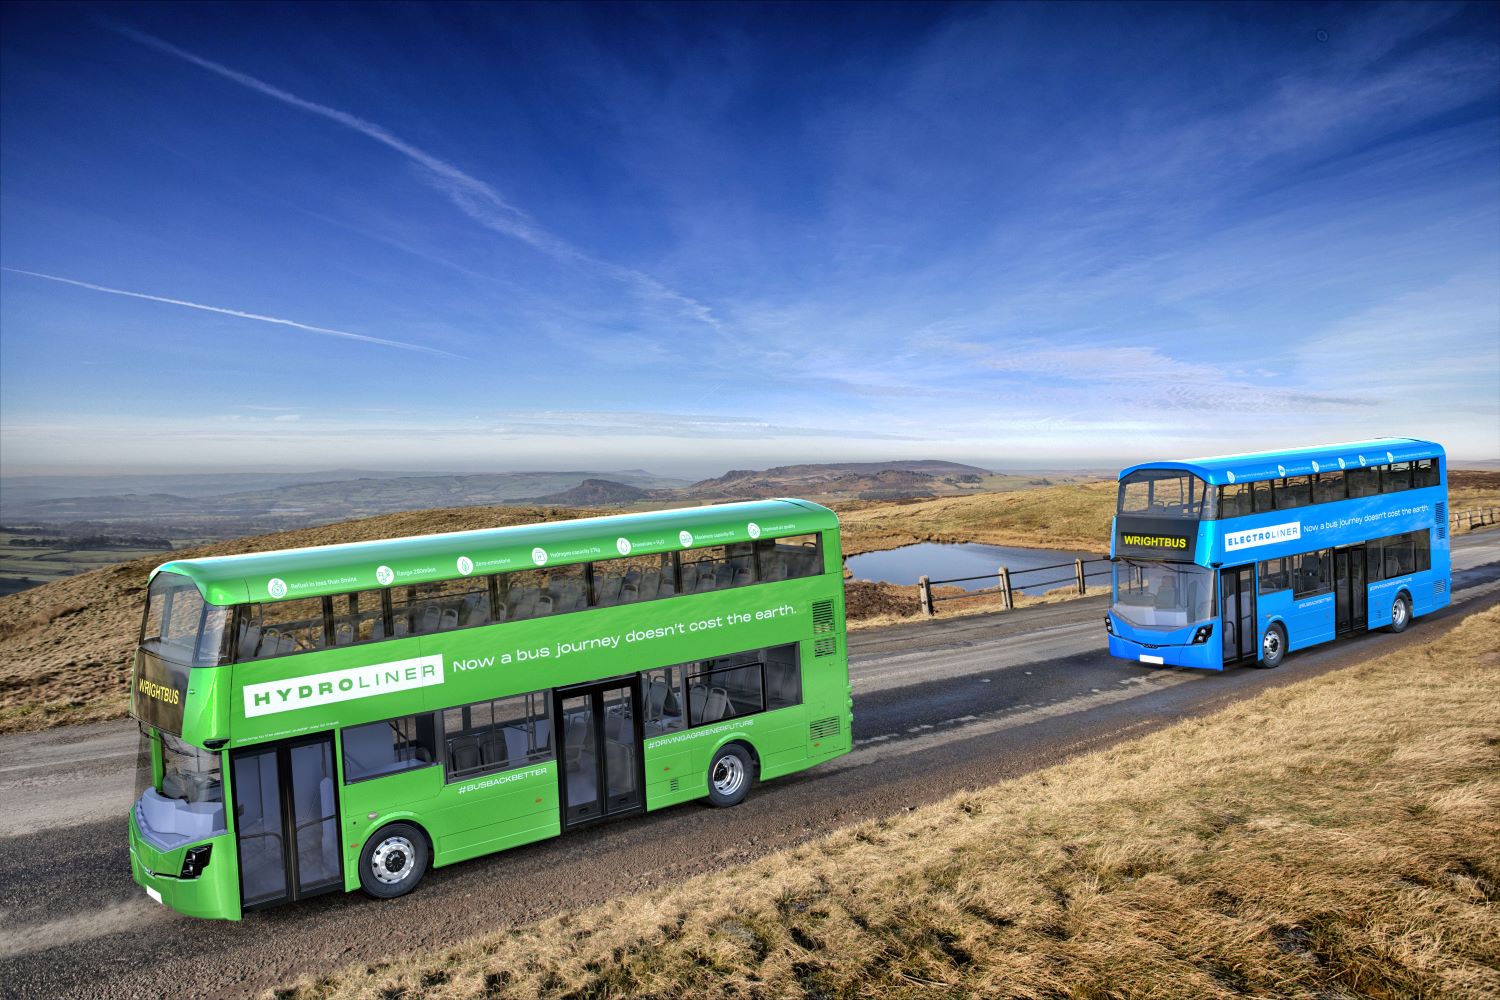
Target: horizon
{"x":428,"y":239}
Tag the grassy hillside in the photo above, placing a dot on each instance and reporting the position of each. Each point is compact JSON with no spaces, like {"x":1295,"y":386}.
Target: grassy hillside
{"x":1064,"y":517}
{"x":1332,"y":838}
{"x":65,"y":648}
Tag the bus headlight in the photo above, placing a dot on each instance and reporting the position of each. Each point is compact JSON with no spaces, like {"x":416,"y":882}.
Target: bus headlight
{"x":1201,"y":636}
{"x":1109,"y":625}
{"x":196,"y":860}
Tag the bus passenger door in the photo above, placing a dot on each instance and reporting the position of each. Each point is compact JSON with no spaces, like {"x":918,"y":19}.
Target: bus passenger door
{"x":286,"y":820}
{"x":599,"y":744}
{"x":1350,"y":614}
{"x":1237,"y":612}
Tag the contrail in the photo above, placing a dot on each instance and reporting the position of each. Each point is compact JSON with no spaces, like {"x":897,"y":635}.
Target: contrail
{"x":241,"y":314}
{"x":476,"y":199}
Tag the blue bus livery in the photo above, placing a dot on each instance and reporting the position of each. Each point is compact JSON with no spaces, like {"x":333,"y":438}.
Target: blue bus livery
{"x":1244,"y":558}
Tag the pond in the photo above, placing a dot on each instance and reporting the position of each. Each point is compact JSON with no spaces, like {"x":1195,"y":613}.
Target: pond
{"x":942,"y":561}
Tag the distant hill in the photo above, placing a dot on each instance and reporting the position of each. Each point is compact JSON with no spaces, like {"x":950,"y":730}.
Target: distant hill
{"x":868,"y":480}
{"x":601,"y":493}
{"x":295,"y":504}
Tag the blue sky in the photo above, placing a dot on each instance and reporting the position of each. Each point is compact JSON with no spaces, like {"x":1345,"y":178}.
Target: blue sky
{"x":687,"y":237}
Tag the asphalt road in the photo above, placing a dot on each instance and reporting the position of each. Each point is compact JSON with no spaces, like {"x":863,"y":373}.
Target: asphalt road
{"x":939,"y":707}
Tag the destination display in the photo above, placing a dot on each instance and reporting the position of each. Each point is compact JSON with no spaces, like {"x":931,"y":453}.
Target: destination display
{"x":1156,"y":538}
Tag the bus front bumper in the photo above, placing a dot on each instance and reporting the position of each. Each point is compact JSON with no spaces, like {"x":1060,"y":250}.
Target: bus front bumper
{"x":214,"y":890}
{"x":1201,"y":656}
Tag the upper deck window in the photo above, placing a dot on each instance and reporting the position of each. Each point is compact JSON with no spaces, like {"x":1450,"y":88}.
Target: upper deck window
{"x":180,"y":626}
{"x":1168,"y":493}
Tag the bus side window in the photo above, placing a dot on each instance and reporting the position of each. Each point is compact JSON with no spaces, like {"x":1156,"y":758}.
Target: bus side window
{"x":1273,"y":576}
{"x":1293,"y":491}
{"x":1262,"y":499}
{"x":783,"y":676}
{"x":1312,"y":573}
{"x":1364,"y":482}
{"x":789,"y":558}
{"x":1395,"y":478}
{"x":1234,"y":500}
{"x":284,"y":628}
{"x":387,"y":747}
{"x":358,"y":617}
{"x":1374,"y":560}
{"x":662,"y":700}
{"x":442,"y":605}
{"x":1424,"y":473}
{"x":1328,"y":487}
{"x":1421,"y":550}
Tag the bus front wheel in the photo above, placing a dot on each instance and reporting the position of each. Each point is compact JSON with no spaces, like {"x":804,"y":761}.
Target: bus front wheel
{"x":1400,"y":613}
{"x":1273,"y":647}
{"x":729,"y":776}
{"x":393,"y":861}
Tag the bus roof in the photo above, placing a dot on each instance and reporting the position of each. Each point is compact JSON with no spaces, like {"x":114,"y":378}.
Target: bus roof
{"x":338,"y":569}
{"x":1223,"y":469}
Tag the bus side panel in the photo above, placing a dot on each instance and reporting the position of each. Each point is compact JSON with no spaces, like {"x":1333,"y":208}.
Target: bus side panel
{"x":465,"y":816}
{"x":1309,"y":621}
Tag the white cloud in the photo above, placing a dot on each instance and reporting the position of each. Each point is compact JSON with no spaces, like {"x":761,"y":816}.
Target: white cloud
{"x":237,"y":313}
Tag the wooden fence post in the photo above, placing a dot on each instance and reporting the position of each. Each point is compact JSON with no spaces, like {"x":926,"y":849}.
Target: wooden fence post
{"x":1078,"y":571}
{"x":924,"y":594}
{"x":1007,"y":599}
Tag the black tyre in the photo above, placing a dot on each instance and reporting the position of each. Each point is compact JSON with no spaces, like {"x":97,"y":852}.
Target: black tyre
{"x":1400,"y":613}
{"x":393,"y":861}
{"x":729,"y":776}
{"x":1273,"y":647}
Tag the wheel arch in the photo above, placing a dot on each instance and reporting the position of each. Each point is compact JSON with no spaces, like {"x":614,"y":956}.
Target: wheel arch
{"x":739,"y":739}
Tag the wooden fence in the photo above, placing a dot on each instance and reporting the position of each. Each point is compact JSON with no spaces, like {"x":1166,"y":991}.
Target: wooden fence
{"x":1007,"y":582}
{"x":1474,"y":517}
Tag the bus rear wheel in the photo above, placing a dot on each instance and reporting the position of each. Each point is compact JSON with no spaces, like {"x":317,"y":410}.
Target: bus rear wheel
{"x":1400,"y":613}
{"x":1273,"y":647}
{"x":393,"y":861}
{"x":729,"y":776}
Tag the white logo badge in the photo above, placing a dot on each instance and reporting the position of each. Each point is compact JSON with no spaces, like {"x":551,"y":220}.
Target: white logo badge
{"x":276,"y":587}
{"x":1389,"y":457}
{"x":1281,"y":470}
{"x":686,"y":538}
{"x":753,"y":529}
{"x":1230,"y":475}
{"x":622,"y":546}
{"x":1341,"y":463}
{"x":465,"y":565}
{"x":384,"y":575}
{"x":1315,"y":466}
{"x":1361,"y":461}
{"x":539,"y":556}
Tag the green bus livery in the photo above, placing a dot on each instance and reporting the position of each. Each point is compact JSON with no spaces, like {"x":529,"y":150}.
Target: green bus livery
{"x":350,"y":716}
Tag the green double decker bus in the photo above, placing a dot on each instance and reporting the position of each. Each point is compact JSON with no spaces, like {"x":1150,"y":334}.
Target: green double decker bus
{"x":350,"y":716}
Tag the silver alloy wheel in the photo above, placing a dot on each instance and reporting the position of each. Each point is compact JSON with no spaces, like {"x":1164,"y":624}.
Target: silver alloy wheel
{"x":729,"y":775}
{"x":1270,"y":645}
{"x":393,"y":860}
{"x":1398,"y":613}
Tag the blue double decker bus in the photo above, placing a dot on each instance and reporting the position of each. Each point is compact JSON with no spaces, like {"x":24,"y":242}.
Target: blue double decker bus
{"x":1244,"y":558}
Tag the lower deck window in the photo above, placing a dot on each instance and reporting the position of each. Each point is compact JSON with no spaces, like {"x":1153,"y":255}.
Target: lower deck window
{"x":497,"y":735}
{"x":389,"y":747}
{"x":703,"y":692}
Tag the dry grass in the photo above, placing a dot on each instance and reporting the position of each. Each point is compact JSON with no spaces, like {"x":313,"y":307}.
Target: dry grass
{"x":1062,"y":517}
{"x":1333,"y":838}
